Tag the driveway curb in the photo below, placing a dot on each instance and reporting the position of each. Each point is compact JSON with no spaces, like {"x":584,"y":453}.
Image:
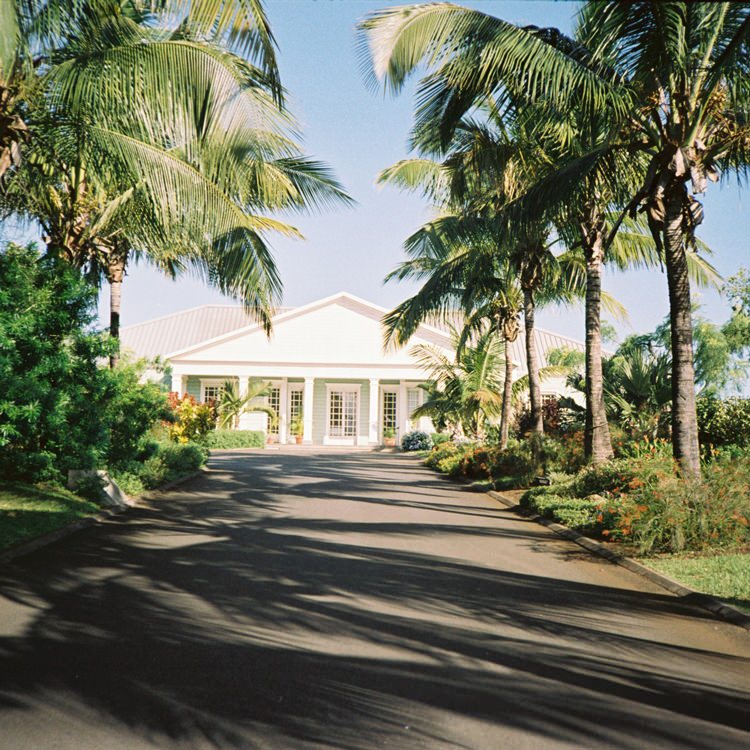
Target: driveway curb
{"x":32,"y":545}
{"x":715,"y":606}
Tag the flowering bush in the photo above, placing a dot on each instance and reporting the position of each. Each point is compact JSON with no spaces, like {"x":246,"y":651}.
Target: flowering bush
{"x":416,"y":441}
{"x":192,"y":420}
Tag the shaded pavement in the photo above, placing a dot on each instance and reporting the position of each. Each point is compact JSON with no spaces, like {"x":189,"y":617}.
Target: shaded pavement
{"x":292,"y":599}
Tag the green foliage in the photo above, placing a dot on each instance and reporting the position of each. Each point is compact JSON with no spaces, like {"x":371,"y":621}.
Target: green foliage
{"x":90,"y":487}
{"x":665,"y":513}
{"x":53,"y":406}
{"x":605,"y":478}
{"x":235,"y":439}
{"x":167,"y":462}
{"x":723,"y":422}
{"x":574,"y":512}
{"x":132,"y":411}
{"x":438,"y":438}
{"x":416,"y":441}
{"x":513,"y":466}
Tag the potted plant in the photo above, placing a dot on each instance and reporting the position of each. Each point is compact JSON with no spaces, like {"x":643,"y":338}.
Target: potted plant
{"x":389,"y":437}
{"x":297,"y":428}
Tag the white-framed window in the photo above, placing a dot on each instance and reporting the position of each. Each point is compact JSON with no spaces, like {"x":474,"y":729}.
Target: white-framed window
{"x":211,"y":390}
{"x":413,"y":402}
{"x":273,"y":400}
{"x":389,"y":412}
{"x":296,"y":399}
{"x":342,"y":421}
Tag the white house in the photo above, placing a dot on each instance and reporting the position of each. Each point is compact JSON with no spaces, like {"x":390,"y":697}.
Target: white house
{"x":325,"y":361}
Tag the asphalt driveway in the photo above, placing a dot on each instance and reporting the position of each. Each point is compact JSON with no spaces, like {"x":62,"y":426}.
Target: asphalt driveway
{"x":291,"y":599}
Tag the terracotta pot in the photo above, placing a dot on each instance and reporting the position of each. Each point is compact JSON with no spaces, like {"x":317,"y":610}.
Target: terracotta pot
{"x":298,"y":439}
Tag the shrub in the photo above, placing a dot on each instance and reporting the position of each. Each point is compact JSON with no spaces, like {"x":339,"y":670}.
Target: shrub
{"x":235,"y":439}
{"x":54,"y":393}
{"x":191,"y":421}
{"x":663,"y":512}
{"x":440,"y":452}
{"x":131,"y":412}
{"x":416,"y":441}
{"x":90,"y":487}
{"x":723,"y":421}
{"x":611,"y":476}
{"x":564,"y":453}
{"x":167,"y":463}
{"x":574,"y":512}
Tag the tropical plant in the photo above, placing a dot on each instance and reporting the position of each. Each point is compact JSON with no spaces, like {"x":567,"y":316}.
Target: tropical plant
{"x":467,"y":392}
{"x":178,"y":174}
{"x":232,"y":404}
{"x":672,"y":86}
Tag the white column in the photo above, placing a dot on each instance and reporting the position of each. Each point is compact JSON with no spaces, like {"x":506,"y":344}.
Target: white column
{"x":283,"y":410}
{"x":307,"y":410}
{"x":245,"y":417}
{"x":179,"y":384}
{"x":373,"y":416}
{"x":403,"y":411}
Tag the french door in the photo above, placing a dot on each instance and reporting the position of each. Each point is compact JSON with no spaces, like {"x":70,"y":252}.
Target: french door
{"x":343,"y":411}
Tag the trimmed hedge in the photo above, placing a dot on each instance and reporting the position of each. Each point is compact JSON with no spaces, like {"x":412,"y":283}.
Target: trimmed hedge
{"x":218,"y":439}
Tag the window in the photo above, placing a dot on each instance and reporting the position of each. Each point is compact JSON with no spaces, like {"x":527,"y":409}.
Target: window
{"x":342,"y":413}
{"x":413,"y":402}
{"x":390,"y":412}
{"x":211,"y":390}
{"x":273,"y":400}
{"x":295,"y":404}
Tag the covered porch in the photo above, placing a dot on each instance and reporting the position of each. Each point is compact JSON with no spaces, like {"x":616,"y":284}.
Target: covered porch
{"x":330,"y":409}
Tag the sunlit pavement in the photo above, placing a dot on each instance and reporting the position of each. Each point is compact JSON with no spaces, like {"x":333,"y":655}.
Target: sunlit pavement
{"x":322,"y":599}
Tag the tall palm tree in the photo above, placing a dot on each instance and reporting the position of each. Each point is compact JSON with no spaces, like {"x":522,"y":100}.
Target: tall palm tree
{"x":177,"y":177}
{"x":672,"y":85}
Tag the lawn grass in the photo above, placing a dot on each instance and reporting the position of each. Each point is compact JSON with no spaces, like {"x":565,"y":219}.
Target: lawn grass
{"x":27,"y":512}
{"x":726,"y":576}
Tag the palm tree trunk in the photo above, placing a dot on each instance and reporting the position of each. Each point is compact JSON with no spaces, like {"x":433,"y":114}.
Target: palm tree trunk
{"x":532,"y":363}
{"x":115,"y":276}
{"x":507,"y":396}
{"x":684,"y":419}
{"x":597,"y":441}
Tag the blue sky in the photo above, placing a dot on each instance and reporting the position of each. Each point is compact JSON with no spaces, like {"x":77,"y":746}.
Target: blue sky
{"x":358,"y":133}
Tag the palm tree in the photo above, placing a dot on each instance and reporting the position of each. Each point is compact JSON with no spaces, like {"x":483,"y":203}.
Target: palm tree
{"x":178,"y":179}
{"x":231,"y":405}
{"x":50,"y":42}
{"x":672,"y":86}
{"x":468,"y":391}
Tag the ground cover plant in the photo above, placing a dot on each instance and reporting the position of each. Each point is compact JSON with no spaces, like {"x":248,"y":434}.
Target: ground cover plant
{"x":726,"y":576}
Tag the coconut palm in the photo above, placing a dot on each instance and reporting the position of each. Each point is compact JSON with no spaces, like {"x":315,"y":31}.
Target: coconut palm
{"x":673,"y":85}
{"x":179,"y":176}
{"x":50,"y":42}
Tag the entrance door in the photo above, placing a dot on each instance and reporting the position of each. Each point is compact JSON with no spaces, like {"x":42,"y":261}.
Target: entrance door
{"x":343,"y":411}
